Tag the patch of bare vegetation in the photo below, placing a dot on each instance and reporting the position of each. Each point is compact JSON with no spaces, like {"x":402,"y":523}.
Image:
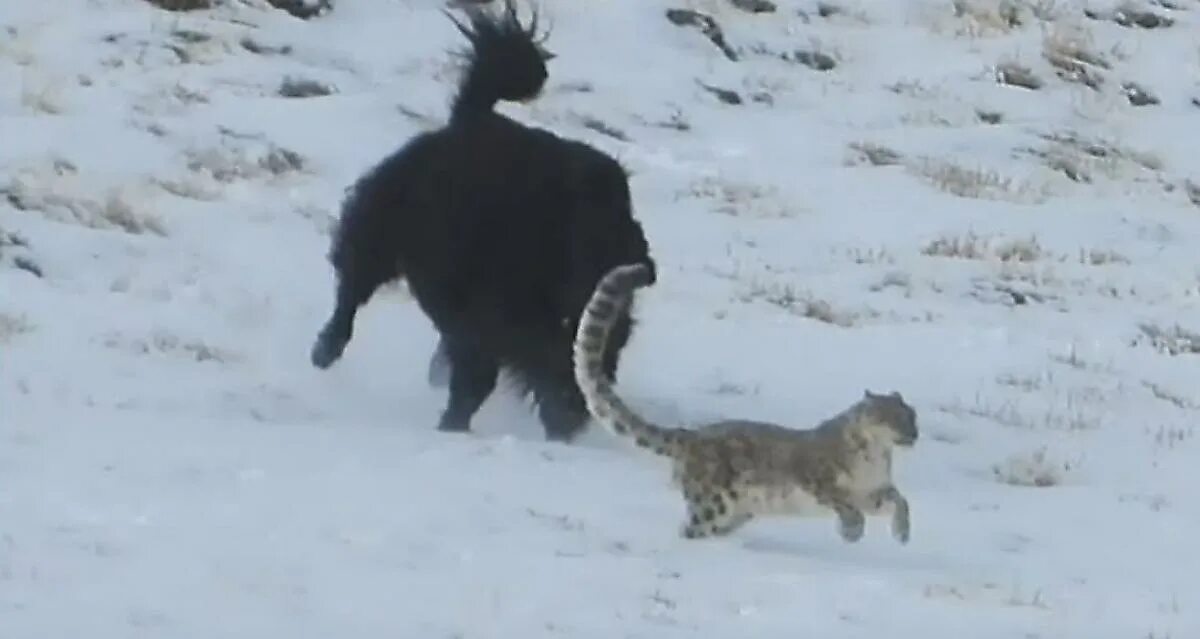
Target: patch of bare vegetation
{"x":260,"y":48}
{"x":1071,"y":411}
{"x":706,"y":25}
{"x":675,"y":120}
{"x":1015,"y":74}
{"x":57,"y":192}
{"x":1137,"y":95}
{"x":1016,"y":251}
{"x":12,"y":325}
{"x":1027,"y":383}
{"x":991,"y":18}
{"x":803,"y":303}
{"x":1131,"y":16}
{"x":303,"y":9}
{"x":1173,"y":340}
{"x":198,"y":47}
{"x":977,"y":183}
{"x":1074,"y":360}
{"x":238,"y":156}
{"x":292,"y":87}
{"x":1192,"y":190}
{"x":988,"y":116}
{"x":1004,"y":413}
{"x":163,"y":343}
{"x":869,"y":255}
{"x":1080,"y":158}
{"x":817,"y":57}
{"x":982,"y":18}
{"x":14,"y":249}
{"x":1169,"y":437}
{"x":742,"y":199}
{"x":1177,"y":400}
{"x":754,"y":6}
{"x":183,"y":5}
{"x":1034,"y":469}
{"x":835,"y":13}
{"x":594,"y":123}
{"x":873,"y":154}
{"x":1073,"y":54}
{"x":915,"y":89}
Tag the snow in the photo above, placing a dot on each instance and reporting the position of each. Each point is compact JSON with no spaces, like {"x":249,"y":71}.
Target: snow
{"x":172,"y":466}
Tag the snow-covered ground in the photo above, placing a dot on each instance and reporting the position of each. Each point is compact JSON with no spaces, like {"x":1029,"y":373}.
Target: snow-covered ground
{"x":1020,"y":263}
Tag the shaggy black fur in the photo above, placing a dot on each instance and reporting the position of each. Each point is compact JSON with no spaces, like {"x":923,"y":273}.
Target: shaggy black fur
{"x":501,"y":230}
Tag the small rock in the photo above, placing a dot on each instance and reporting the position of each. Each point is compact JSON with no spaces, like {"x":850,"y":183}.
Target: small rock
{"x":1137,"y":95}
{"x":302,"y":88}
{"x":303,"y":9}
{"x":1016,"y":75}
{"x":725,"y":95}
{"x":755,"y":6}
{"x":1143,"y":19}
{"x":989,"y":117}
{"x":816,"y":60}
{"x":182,"y":5}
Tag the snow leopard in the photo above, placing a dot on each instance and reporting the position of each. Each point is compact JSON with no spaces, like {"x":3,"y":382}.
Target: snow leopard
{"x":735,"y":470}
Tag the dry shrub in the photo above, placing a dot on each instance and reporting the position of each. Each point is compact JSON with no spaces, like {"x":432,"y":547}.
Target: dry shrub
{"x":58,"y":194}
{"x":977,"y":183}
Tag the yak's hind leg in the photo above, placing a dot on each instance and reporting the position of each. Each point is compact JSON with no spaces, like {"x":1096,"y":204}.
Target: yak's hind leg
{"x":561,"y":407}
{"x":352,"y":292}
{"x":439,"y":366}
{"x":363,"y":260}
{"x":473,"y":375}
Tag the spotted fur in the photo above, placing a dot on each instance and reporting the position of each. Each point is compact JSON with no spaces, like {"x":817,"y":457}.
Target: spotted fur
{"x":734,"y":470}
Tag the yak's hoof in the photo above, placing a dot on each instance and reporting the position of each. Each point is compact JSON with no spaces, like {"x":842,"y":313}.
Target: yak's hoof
{"x":565,"y":435}
{"x":447,"y":426}
{"x":327,"y":350}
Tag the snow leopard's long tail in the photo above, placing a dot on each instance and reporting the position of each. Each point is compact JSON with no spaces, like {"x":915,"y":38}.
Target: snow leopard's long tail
{"x":611,"y":295}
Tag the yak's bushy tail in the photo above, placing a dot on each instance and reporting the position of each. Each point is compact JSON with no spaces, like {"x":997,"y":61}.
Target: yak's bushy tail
{"x":506,"y":61}
{"x":610,"y":297}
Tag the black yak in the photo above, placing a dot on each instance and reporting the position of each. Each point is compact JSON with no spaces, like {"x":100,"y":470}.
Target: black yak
{"x":501,"y":231}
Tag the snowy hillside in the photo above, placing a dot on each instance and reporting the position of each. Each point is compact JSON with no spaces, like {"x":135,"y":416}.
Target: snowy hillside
{"x":990,"y":206}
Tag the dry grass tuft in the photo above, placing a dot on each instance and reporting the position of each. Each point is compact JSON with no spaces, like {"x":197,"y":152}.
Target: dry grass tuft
{"x":1173,"y":341}
{"x":1072,"y":54}
{"x":802,"y":303}
{"x":1192,"y":189}
{"x":1081,"y":159}
{"x":164,"y":343}
{"x":983,"y":18}
{"x":57,"y":194}
{"x":1171,"y":397}
{"x":873,"y":154}
{"x":742,"y":199}
{"x":1015,"y":74}
{"x":244,"y":157}
{"x":1169,"y":437}
{"x":977,"y":183}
